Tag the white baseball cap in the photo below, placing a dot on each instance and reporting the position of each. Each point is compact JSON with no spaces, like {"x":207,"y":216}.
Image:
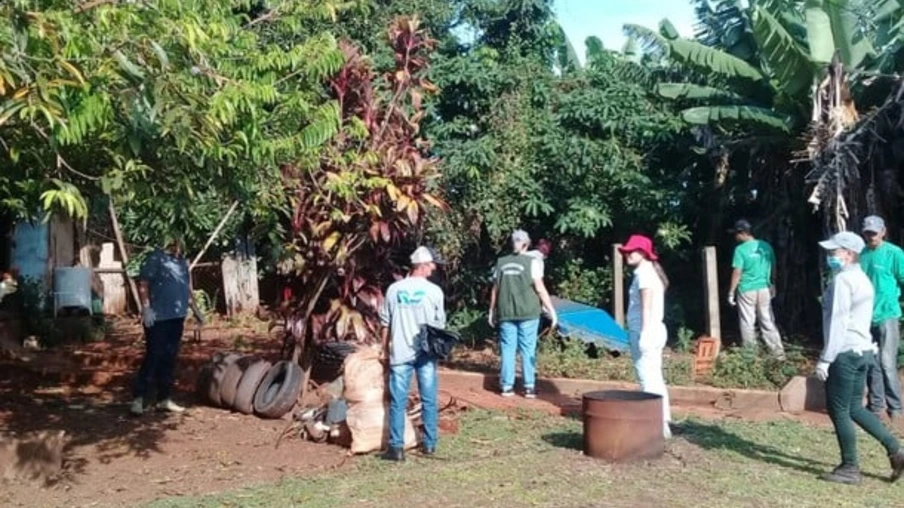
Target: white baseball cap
{"x":844,"y":240}
{"x":421,"y":255}
{"x":520,"y":236}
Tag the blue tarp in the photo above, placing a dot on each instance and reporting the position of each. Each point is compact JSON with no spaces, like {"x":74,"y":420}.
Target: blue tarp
{"x":590,"y":324}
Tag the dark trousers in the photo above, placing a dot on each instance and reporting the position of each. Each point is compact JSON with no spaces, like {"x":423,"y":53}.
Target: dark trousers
{"x":159,"y":365}
{"x":844,"y":399}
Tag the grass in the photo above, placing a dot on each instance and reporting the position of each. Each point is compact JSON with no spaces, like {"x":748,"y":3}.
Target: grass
{"x":526,"y":459}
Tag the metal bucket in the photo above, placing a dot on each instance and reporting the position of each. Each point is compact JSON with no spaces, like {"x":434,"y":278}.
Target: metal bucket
{"x":622,"y":425}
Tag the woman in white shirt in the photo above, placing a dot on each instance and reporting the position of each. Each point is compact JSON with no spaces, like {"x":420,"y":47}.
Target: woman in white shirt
{"x":646,"y":309}
{"x":847,"y":355}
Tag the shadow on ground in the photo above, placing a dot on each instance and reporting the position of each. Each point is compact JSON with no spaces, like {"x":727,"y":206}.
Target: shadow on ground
{"x":84,"y":389}
{"x":712,"y":436}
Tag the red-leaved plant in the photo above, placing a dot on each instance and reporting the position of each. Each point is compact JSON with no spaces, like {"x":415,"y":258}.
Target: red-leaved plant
{"x":367,"y":199}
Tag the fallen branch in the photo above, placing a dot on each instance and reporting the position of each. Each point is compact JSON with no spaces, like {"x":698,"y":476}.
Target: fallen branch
{"x":214,"y":235}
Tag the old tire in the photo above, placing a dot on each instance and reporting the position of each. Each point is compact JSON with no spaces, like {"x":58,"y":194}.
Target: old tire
{"x":231,"y":378}
{"x":278,"y":391}
{"x":217,"y":377}
{"x":247,"y":387}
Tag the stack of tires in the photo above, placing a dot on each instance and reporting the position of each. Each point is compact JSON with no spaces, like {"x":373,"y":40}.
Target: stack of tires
{"x":249,"y":384}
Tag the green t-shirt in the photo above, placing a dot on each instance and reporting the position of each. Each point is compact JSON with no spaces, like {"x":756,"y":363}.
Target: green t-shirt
{"x":755,"y":259}
{"x":884,"y":266}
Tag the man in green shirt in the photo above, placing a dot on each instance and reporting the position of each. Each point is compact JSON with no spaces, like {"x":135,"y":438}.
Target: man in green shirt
{"x":883,"y":263}
{"x":753,"y":287}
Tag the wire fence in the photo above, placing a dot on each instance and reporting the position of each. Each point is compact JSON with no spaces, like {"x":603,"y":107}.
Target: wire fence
{"x":207,"y":281}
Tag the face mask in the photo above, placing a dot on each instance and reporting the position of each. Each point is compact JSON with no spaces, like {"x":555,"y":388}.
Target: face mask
{"x":835,"y":263}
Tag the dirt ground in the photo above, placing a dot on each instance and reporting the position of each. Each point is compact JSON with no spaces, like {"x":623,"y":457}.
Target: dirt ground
{"x":112,"y":459}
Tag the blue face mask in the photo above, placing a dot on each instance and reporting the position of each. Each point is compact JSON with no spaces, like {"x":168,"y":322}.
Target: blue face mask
{"x":835,"y":263}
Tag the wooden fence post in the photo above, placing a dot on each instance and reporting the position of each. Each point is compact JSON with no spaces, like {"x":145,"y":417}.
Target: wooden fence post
{"x":618,"y":285}
{"x":711,"y":292}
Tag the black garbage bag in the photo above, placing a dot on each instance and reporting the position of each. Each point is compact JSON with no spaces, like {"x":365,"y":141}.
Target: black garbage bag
{"x":436,"y":342}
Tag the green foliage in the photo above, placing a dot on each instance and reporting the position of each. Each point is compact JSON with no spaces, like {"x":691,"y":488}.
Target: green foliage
{"x":570,"y":358}
{"x":578,"y":282}
{"x":748,"y":367}
{"x":160,"y":106}
{"x":684,"y":340}
{"x":472,"y":325}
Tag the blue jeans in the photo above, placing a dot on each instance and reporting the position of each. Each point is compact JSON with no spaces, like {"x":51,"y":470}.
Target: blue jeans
{"x":399,"y":383}
{"x":161,"y":343}
{"x":882,"y":375}
{"x":520,"y":336}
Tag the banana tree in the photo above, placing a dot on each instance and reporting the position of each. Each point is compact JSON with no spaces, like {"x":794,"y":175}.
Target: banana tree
{"x":767,"y":87}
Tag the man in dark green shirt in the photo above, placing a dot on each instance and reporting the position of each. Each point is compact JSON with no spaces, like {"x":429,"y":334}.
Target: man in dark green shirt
{"x":753,"y":287}
{"x":883,"y":263}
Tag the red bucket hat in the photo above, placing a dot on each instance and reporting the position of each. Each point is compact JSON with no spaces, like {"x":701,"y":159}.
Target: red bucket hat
{"x":639,"y":243}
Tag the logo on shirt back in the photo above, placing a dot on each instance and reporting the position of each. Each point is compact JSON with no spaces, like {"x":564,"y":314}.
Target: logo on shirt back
{"x":512,"y":269}
{"x":415,"y":298}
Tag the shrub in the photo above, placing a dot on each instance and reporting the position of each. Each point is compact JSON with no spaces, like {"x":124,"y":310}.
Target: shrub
{"x":472,"y":324}
{"x":748,"y":367}
{"x":580,"y":283}
{"x":571,"y":358}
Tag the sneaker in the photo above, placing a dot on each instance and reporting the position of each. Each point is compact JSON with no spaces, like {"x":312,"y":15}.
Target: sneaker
{"x":507,"y":392}
{"x":394,"y":455}
{"x":137,"y":407}
{"x":530,"y":393}
{"x":171,"y":407}
{"x":848,"y":475}
{"x":427,"y":450}
{"x":897,"y":465}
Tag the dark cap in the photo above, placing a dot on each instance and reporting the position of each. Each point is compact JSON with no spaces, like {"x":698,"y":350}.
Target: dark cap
{"x":438,"y":258}
{"x":741,"y":226}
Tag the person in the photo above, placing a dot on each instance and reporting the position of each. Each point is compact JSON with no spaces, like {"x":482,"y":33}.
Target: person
{"x":165,"y":291}
{"x":646,"y":312}
{"x":516,"y":302}
{"x":544,"y":248}
{"x":846,"y":355}
{"x":8,"y":285}
{"x":753,"y":287}
{"x":883,"y":263}
{"x":409,"y":304}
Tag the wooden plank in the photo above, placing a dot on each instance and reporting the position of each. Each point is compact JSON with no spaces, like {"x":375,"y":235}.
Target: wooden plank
{"x":618,"y":285}
{"x":711,"y":292}
{"x":112,"y":277}
{"x":240,"y":284}
{"x":125,"y":255}
{"x":62,"y":241}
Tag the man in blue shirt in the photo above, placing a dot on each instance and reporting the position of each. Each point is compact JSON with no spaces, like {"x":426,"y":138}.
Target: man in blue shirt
{"x":164,"y":287}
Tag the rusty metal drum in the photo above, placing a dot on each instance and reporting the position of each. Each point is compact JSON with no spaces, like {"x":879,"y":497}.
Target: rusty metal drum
{"x":623,"y":425}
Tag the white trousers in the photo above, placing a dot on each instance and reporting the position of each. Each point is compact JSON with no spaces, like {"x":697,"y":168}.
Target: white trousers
{"x":646,"y":352}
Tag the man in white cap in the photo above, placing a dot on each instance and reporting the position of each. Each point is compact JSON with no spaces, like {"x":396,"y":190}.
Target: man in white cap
{"x":846,"y":356}
{"x":409,"y":304}
{"x":515,"y":305}
{"x":883,"y":263}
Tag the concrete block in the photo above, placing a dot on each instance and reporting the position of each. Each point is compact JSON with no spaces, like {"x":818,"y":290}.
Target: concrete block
{"x":803,"y":394}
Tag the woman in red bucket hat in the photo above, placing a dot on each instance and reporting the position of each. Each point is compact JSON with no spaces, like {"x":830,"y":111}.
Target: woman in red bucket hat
{"x":646,"y":310}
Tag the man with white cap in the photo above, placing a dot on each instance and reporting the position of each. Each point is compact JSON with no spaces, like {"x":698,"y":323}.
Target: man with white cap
{"x":847,"y":355}
{"x":409,"y":304}
{"x":883,"y":263}
{"x":515,"y":305}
